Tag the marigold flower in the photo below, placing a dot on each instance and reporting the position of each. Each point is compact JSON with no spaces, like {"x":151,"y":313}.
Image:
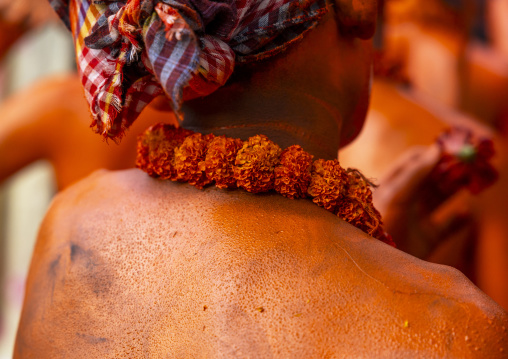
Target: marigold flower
{"x":188,"y":157}
{"x":156,"y":149}
{"x":255,"y":164}
{"x":328,"y":184}
{"x":292,"y":175}
{"x":356,"y":207}
{"x":220,"y":160}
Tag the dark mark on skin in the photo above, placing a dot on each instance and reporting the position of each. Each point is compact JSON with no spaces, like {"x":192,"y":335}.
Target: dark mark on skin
{"x":91,"y":338}
{"x":53,"y":265}
{"x":91,"y":269}
{"x":52,"y":273}
{"x":76,"y":251}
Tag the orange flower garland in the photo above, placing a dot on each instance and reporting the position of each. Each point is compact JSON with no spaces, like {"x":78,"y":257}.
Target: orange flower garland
{"x":259,"y":165}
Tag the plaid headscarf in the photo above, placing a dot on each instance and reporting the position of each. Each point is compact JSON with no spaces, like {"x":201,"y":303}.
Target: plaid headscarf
{"x":129,"y":52}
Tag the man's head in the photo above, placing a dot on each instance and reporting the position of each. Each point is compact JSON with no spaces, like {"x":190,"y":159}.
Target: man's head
{"x":129,"y":52}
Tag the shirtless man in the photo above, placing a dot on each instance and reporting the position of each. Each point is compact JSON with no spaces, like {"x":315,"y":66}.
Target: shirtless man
{"x":127,"y":266}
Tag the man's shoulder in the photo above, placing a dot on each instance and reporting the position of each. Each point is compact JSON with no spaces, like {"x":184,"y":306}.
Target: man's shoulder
{"x":272,"y":251}
{"x":106,"y":190}
{"x":103,"y":183}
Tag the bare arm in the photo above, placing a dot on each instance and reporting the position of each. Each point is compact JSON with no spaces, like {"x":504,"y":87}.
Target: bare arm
{"x":32,"y":120}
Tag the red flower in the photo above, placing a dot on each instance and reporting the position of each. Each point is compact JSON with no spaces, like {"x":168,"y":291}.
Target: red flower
{"x":464,"y":162}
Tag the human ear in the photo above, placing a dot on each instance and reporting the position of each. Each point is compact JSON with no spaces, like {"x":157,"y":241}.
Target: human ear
{"x":356,"y":18}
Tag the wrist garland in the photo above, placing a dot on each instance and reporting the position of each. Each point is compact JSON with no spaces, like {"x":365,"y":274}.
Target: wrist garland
{"x":259,"y":165}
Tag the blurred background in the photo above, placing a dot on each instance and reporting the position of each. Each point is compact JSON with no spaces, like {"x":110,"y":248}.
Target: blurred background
{"x":33,"y":48}
{"x":439,"y":64}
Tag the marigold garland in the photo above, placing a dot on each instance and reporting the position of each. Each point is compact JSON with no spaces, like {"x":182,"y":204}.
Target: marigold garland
{"x":259,"y":165}
{"x":358,"y":209}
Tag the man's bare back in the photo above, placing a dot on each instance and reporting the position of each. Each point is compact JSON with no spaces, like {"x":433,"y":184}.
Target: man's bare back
{"x":127,"y":266}
{"x":172,"y":271}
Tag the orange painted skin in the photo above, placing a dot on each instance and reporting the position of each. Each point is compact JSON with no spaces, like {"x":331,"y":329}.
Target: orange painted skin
{"x":127,"y":266}
{"x":52,"y":115}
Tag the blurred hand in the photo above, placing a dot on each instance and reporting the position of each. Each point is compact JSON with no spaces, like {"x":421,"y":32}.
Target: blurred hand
{"x":423,"y":222}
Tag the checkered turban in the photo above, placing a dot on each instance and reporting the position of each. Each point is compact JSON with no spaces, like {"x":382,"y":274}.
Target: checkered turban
{"x":129,"y":52}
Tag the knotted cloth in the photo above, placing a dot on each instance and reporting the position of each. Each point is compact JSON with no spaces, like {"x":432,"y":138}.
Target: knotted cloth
{"x":129,"y":52}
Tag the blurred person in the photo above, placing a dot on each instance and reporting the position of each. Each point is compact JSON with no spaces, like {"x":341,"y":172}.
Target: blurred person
{"x":131,"y":266}
{"x":405,"y":121}
{"x":430,"y":42}
{"x":50,"y":128}
{"x":19,"y":17}
{"x":406,"y":126}
{"x":497,"y":26}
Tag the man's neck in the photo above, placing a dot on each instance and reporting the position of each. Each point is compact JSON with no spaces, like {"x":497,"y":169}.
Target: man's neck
{"x":287,"y":116}
{"x":307,"y":96}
